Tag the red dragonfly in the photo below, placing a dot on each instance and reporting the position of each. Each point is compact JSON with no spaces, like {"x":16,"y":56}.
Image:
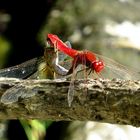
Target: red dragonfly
{"x":96,"y":63}
{"x":85,"y":57}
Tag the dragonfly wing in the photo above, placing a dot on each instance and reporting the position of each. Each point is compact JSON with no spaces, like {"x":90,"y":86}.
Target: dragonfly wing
{"x":70,"y":93}
{"x":62,"y":56}
{"x":71,"y":87}
{"x":116,"y":70}
{"x":63,"y":62}
{"x":68,"y":44}
{"x":15,"y":93}
{"x":23,"y":70}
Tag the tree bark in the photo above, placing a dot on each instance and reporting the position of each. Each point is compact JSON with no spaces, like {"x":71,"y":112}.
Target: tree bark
{"x":111,"y":101}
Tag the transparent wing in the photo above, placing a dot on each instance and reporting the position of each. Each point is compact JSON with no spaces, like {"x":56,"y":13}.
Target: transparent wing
{"x":115,"y":70}
{"x":71,"y":87}
{"x":23,"y":70}
{"x":63,"y":62}
{"x":64,"y":59}
{"x":15,"y":93}
{"x":62,"y":56}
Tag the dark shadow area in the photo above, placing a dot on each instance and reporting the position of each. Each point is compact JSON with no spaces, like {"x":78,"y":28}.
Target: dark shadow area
{"x":57,"y":130}
{"x":15,"y":131}
{"x":27,"y":17}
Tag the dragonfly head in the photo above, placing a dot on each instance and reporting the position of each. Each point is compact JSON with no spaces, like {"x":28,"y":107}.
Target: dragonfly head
{"x":98,"y":65}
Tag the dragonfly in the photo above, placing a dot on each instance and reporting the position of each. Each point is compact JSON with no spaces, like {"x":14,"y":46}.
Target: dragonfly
{"x":91,"y":61}
{"x":29,"y":70}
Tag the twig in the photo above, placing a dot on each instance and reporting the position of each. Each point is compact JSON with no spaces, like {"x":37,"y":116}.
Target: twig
{"x":112,"y":101}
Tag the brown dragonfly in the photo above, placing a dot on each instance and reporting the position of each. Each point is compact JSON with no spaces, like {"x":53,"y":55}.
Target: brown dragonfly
{"x":33,"y":69}
{"x":30,"y":70}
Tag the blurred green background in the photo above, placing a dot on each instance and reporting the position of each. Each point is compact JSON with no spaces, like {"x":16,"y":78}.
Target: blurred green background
{"x":110,"y":27}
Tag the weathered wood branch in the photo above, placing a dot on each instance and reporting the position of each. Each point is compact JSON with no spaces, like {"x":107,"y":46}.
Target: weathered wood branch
{"x":111,"y":101}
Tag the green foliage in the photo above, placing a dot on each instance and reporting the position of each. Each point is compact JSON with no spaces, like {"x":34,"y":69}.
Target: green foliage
{"x":35,"y":129}
{"x":4,"y":51}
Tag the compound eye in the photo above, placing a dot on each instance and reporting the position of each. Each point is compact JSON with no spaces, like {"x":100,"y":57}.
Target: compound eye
{"x":98,"y":66}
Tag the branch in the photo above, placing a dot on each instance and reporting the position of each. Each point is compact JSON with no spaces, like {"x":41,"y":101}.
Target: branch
{"x":112,"y":101}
